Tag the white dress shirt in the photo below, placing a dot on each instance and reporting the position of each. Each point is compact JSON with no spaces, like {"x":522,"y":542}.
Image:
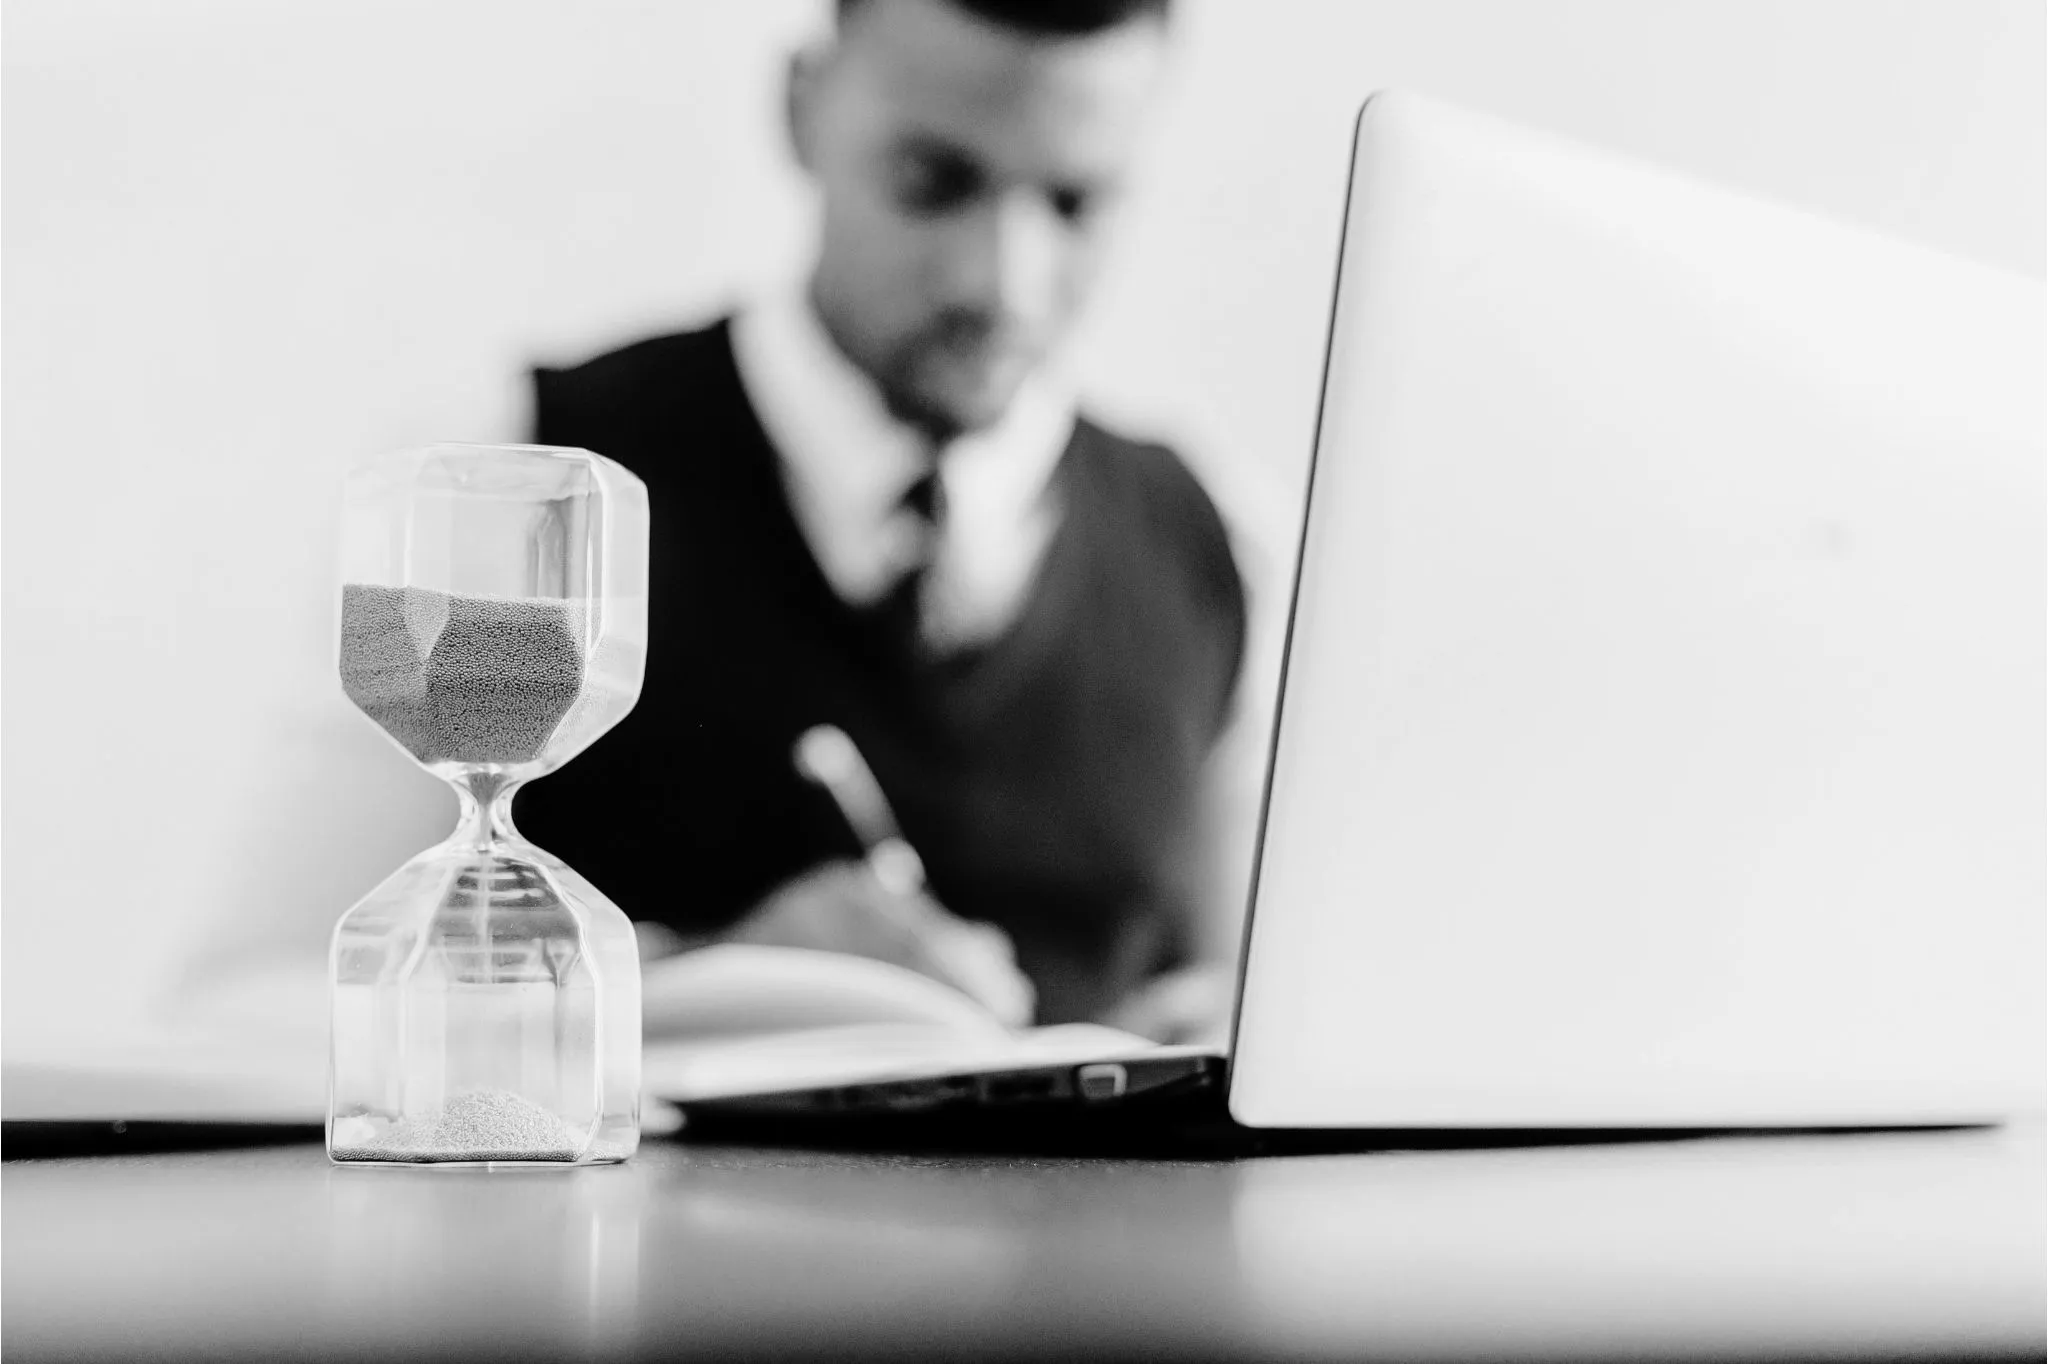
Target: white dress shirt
{"x":847,"y":463}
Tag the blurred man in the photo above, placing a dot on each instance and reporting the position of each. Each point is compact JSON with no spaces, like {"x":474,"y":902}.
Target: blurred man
{"x":876,"y":508}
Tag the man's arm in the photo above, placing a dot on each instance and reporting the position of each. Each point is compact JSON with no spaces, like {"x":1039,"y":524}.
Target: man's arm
{"x":1221,"y":845}
{"x":843,"y":906}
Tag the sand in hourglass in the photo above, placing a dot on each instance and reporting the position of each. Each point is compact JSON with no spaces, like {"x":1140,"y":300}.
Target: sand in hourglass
{"x":473,"y":680}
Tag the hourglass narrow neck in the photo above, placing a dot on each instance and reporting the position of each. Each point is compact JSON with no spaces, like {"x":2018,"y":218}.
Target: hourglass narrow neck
{"x":485,"y":818}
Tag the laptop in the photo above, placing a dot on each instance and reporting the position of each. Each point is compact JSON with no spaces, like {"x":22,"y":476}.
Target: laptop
{"x":1660,"y":737}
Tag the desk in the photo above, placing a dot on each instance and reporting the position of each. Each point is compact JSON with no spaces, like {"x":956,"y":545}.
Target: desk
{"x":1820,"y":1246}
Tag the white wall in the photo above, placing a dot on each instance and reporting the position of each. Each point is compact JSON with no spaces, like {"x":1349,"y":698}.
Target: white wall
{"x":249,"y":241}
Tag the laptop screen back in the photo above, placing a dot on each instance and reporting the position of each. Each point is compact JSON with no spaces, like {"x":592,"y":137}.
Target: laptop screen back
{"x":1661,"y":738}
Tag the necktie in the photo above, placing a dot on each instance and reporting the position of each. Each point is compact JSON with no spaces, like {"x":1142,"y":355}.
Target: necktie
{"x":904,"y":607}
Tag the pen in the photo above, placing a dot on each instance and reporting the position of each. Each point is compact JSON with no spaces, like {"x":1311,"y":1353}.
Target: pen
{"x":827,"y":757}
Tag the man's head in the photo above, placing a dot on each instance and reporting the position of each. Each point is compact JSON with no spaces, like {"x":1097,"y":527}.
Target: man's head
{"x":967,"y":153}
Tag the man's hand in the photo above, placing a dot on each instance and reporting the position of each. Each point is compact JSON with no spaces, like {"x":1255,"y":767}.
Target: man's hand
{"x":844,"y":907}
{"x":1190,"y":1005}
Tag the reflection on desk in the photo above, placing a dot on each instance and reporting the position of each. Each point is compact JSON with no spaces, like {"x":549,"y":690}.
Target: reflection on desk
{"x":1843,"y":1246}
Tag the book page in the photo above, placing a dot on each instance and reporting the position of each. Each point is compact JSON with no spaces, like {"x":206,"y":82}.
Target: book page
{"x":740,"y":990}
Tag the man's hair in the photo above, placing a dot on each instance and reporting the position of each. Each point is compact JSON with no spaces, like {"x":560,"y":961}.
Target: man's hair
{"x":1054,"y":18}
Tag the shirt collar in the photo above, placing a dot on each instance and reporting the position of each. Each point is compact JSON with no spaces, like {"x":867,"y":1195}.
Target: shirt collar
{"x":847,"y":460}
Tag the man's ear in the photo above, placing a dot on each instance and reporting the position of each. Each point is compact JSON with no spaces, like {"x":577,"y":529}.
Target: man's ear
{"x":800,"y":100}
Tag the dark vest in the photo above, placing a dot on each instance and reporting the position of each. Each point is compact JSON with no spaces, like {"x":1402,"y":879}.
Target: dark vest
{"x":1047,"y":777}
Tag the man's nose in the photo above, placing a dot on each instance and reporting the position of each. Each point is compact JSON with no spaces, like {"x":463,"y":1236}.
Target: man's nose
{"x":1005,"y":259}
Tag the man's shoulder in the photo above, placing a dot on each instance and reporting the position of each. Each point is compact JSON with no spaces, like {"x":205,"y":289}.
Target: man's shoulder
{"x":1149,"y":472}
{"x":637,"y":398}
{"x":1154,"y":487}
{"x":652,"y":364}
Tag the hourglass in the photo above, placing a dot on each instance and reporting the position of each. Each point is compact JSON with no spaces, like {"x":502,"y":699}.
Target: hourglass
{"x":486,"y":997}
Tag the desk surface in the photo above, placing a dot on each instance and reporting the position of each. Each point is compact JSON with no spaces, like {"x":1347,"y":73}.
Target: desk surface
{"x":1819,"y":1246}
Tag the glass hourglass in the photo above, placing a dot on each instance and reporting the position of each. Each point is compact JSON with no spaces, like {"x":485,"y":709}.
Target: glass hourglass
{"x":486,"y":997}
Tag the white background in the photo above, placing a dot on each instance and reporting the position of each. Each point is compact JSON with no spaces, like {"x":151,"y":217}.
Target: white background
{"x":249,"y":241}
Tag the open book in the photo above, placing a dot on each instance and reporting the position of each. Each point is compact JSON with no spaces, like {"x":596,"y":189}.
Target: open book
{"x":722,"y":1020}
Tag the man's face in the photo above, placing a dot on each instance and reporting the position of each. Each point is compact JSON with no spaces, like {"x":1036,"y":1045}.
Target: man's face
{"x":965,"y":173}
